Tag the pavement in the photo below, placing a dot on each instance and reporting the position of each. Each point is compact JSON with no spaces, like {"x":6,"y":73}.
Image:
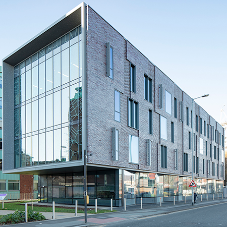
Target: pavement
{"x":132,"y":212}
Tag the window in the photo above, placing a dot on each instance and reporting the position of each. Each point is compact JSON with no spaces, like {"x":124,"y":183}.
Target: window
{"x":210,"y":151}
{"x":150,"y":122}
{"x":189,"y":139}
{"x":185,"y":162}
{"x":160,"y":95}
{"x":109,"y":61}
{"x":201,"y":125}
{"x":172,"y":132}
{"x":203,"y":166}
{"x":132,"y":78}
{"x":175,"y":107}
{"x":2,"y":185}
{"x":115,"y":144}
{"x":218,"y":154}
{"x":163,"y":156}
{"x":205,"y":128}
{"x":175,"y":158}
{"x":133,"y":114}
{"x":223,"y":156}
{"x":13,"y":185}
{"x":194,"y":141}
{"x":214,"y":152}
{"x":187,"y":115}
{"x":206,"y":148}
{"x":213,"y":169}
{"x":133,"y":149}
{"x":148,"y":152}
{"x":208,"y":131}
{"x":168,"y":103}
{"x":215,"y":136}
{"x":197,"y":122}
{"x":163,"y":127}
{"x":181,"y":111}
{"x":194,"y":164}
{"x":217,"y":169}
{"x":191,"y":119}
{"x":197,"y":164}
{"x":147,"y":88}
{"x":223,"y":141}
{"x":117,"y":113}
{"x":208,"y":166}
{"x":201,"y":146}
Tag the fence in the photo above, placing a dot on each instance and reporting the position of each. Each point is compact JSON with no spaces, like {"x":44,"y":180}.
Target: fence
{"x":21,"y":196}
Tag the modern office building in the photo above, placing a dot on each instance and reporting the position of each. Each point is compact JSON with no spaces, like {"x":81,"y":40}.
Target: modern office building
{"x":78,"y":86}
{"x":16,"y":186}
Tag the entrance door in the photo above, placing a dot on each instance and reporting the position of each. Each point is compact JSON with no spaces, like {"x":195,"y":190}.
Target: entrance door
{"x":43,"y":195}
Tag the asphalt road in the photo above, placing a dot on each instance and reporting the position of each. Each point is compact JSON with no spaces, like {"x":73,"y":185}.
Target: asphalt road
{"x":213,"y":215}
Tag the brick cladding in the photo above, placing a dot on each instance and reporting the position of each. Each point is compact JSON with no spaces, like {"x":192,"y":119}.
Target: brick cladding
{"x":100,"y":106}
{"x":26,"y":183}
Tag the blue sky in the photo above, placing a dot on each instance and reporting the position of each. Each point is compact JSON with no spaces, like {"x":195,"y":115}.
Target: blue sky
{"x":187,"y":40}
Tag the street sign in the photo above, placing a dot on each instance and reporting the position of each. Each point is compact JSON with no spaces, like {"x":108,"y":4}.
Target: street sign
{"x":192,"y":184}
{"x":2,"y":196}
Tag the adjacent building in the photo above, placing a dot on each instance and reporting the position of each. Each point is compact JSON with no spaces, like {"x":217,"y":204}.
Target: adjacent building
{"x":78,"y":86}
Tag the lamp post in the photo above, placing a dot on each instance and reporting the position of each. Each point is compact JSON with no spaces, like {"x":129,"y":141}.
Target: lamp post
{"x":203,"y":96}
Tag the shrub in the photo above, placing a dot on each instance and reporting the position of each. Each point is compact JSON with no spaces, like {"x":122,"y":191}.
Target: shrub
{"x":19,"y":216}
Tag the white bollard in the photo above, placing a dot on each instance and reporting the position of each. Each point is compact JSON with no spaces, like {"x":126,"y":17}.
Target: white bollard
{"x":201,"y":198}
{"x":173,"y":200}
{"x":26,"y":212}
{"x":111,"y":205}
{"x":160,"y":201}
{"x":95,"y":205}
{"x":141,"y":203}
{"x":76,"y":208}
{"x":32,"y":205}
{"x":53,"y":209}
{"x":125,"y":204}
{"x":213,"y":196}
{"x":184,"y":199}
{"x":2,"y":204}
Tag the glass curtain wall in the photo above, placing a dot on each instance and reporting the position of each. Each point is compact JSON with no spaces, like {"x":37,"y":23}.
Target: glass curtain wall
{"x":48,"y":104}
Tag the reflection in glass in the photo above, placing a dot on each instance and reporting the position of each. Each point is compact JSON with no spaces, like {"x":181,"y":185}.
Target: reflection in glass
{"x":42,"y":113}
{"x":75,"y":102}
{"x":163,"y":127}
{"x":168,"y":102}
{"x":49,"y":51}
{"x":42,"y":78}
{"x":57,"y":46}
{"x":23,"y":152}
{"x":34,"y":60}
{"x":28,"y":118}
{"x":28,"y":151}
{"x":22,"y":85}
{"x":49,"y":76}
{"x":42,"y":148}
{"x":41,"y":55}
{"x":28,"y":64}
{"x":75,"y":143}
{"x":17,"y":122}
{"x":57,"y":108}
{"x":65,"y":42}
{"x":57,"y":145}
{"x":49,"y":110}
{"x":65,"y":66}
{"x":17,"y":91}
{"x":22,"y":68}
{"x":17,"y":153}
{"x":22,"y":120}
{"x":74,"y":38}
{"x":65,"y":105}
{"x":65,"y":144}
{"x":35,"y":150}
{"x":74,"y":62}
{"x":117,"y":106}
{"x":28,"y":84}
{"x":35,"y":115}
{"x":49,"y":147}
{"x":57,"y":70}
{"x":133,"y":149}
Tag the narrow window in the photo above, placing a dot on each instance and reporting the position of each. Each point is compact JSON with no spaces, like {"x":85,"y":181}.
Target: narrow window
{"x":191,"y":119}
{"x":150,"y":122}
{"x":203,"y":166}
{"x":194,"y":164}
{"x":201,"y":146}
{"x":133,"y":149}
{"x":189,"y":139}
{"x":172,"y":132}
{"x":205,"y":128}
{"x":163,"y":156}
{"x":175,"y":163}
{"x":115,"y":144}
{"x":147,"y":88}
{"x":218,"y":154}
{"x":214,"y":152}
{"x":213,"y":169}
{"x":181,"y":111}
{"x":168,"y":102}
{"x":210,"y":151}
{"x":132,"y":78}
{"x":133,"y":114}
{"x":201,"y":125}
{"x":163,"y":128}
{"x":208,"y":131}
{"x":206,"y":148}
{"x":117,"y":114}
{"x":109,"y":61}
{"x":197,"y":164}
{"x":222,"y":140}
{"x":187,"y":115}
{"x":160,"y":95}
{"x":148,"y":152}
{"x":217,"y":170}
{"x":197,"y":121}
{"x":185,"y":162}
{"x":175,"y":107}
